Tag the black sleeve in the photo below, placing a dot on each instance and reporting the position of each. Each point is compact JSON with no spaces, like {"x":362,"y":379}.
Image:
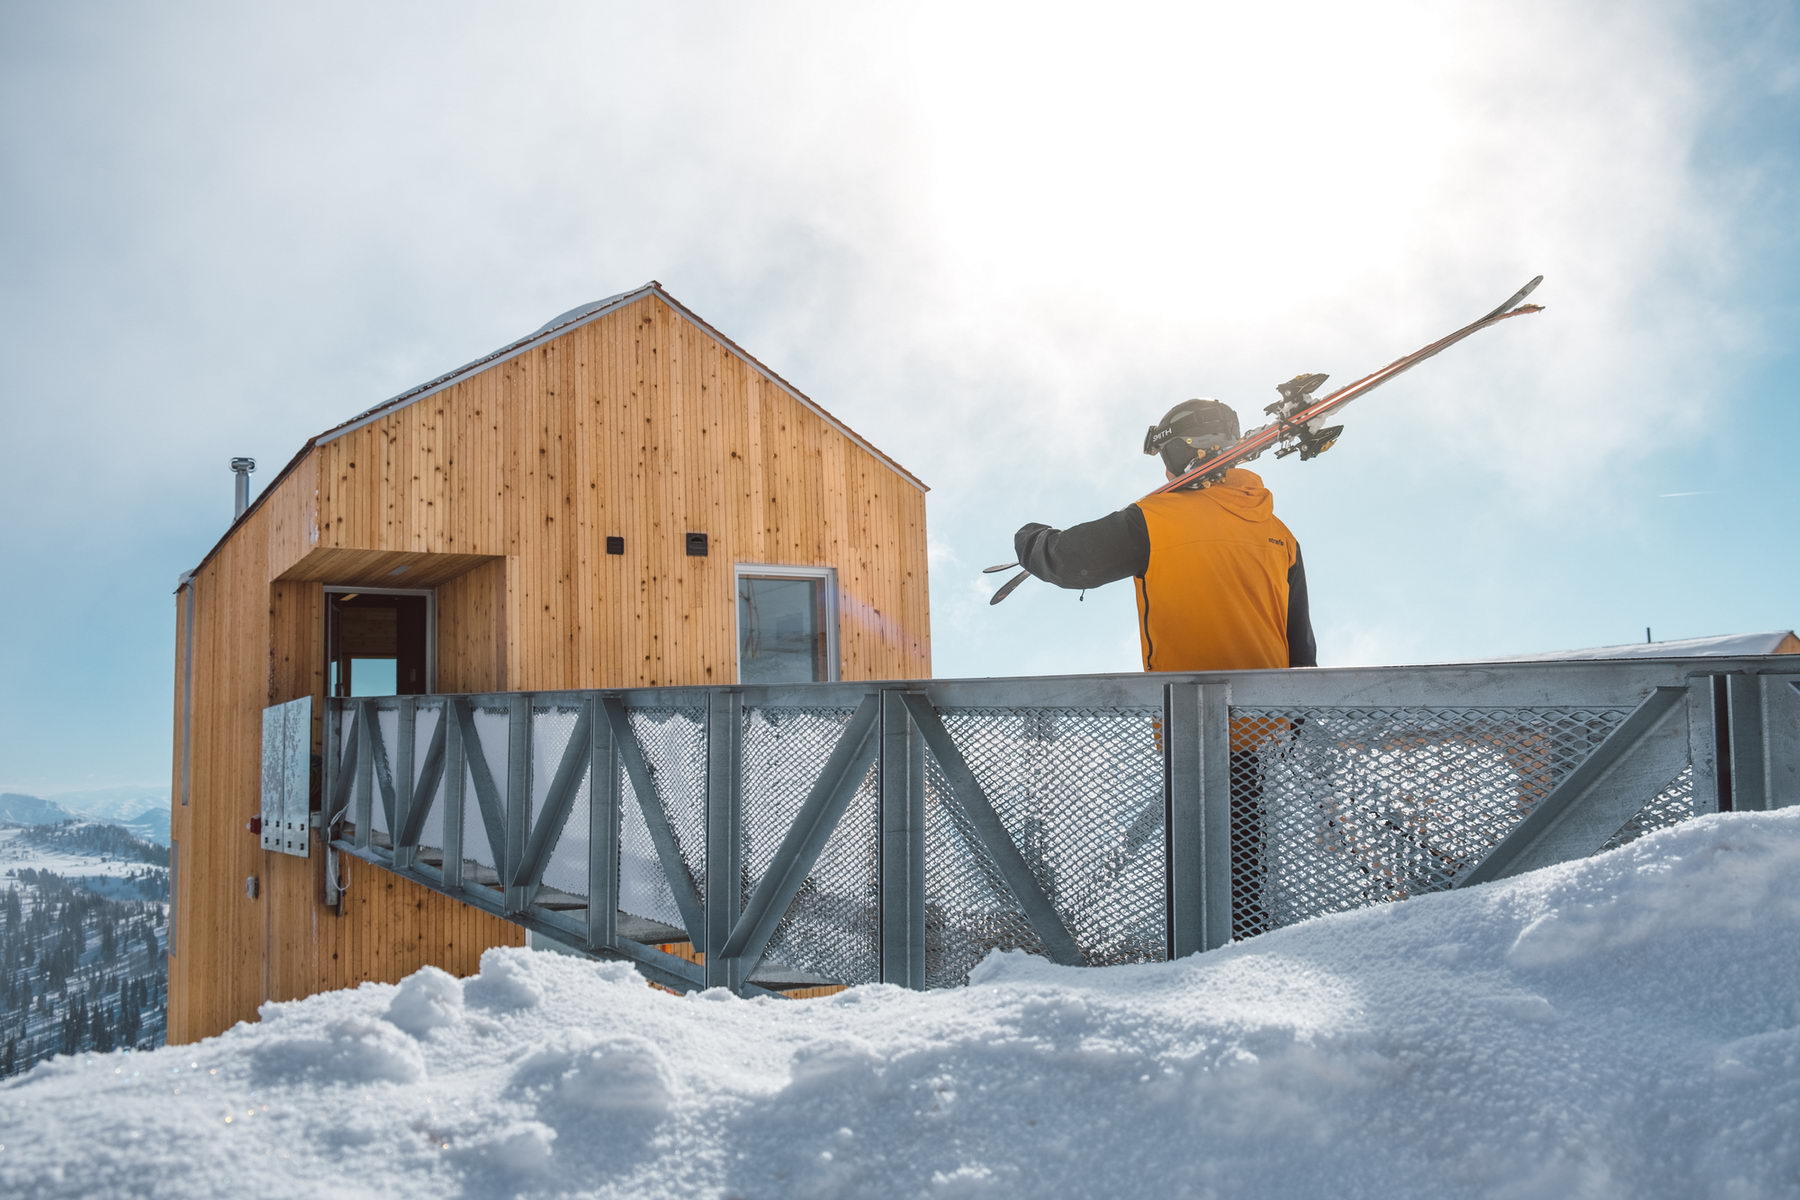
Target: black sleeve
{"x":1302,"y":650}
{"x":1087,"y":555}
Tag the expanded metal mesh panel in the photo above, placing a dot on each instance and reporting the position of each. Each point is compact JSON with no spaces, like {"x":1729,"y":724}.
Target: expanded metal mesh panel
{"x":426,"y":723}
{"x":387,"y":761}
{"x":833,"y":927}
{"x":1080,"y":792}
{"x":480,"y":863}
{"x":552,"y":727}
{"x":345,"y":719}
{"x":339,"y":724}
{"x":1672,"y":805}
{"x":674,"y":745}
{"x":1337,"y":808}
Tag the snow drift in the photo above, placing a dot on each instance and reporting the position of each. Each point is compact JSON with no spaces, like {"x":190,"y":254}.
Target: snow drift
{"x":1628,"y":1025}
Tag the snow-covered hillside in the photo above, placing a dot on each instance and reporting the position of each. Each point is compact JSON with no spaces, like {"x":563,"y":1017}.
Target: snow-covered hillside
{"x":83,"y":914}
{"x":20,"y":809}
{"x":144,"y":811}
{"x":1625,"y":1026}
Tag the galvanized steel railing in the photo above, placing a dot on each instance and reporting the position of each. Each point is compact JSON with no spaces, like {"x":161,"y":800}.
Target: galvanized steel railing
{"x":853,"y":832}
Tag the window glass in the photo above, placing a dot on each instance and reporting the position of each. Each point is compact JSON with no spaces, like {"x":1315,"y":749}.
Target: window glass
{"x":367,"y":677}
{"x":781,"y":630}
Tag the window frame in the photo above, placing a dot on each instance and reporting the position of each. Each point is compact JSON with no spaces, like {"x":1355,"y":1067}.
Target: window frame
{"x":431,"y":625}
{"x":825,"y":576}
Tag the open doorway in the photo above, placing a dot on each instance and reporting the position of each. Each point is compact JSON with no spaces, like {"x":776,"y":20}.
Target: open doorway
{"x":380,"y":641}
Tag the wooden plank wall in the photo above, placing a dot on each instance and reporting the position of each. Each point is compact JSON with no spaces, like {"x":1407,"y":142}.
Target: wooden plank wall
{"x":215,"y":976}
{"x":640,"y":425}
{"x":257,"y":643}
{"x":471,"y":651}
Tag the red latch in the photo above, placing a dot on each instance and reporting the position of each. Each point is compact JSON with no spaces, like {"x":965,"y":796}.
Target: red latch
{"x":255,"y":825}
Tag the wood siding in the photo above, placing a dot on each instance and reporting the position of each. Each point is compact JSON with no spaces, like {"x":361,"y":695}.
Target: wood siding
{"x":500,"y":491}
{"x":644,"y":426}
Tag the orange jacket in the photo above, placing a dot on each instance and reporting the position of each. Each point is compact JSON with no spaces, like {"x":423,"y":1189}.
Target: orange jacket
{"x":1215,"y":594}
{"x":1221,"y":583}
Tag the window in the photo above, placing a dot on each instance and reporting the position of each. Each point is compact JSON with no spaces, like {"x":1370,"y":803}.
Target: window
{"x":787,"y":624}
{"x":379,"y":641}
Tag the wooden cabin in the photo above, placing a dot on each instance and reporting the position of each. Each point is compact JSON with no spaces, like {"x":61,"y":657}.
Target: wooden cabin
{"x":623,"y":498}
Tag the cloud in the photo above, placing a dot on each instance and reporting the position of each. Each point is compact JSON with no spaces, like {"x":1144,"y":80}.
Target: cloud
{"x":996,"y":239}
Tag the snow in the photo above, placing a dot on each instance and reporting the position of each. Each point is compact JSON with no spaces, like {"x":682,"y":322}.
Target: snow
{"x":1622,"y":1026}
{"x":93,"y":871}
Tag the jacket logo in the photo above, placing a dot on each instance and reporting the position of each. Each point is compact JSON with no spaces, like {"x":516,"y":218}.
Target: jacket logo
{"x":1276,"y":542}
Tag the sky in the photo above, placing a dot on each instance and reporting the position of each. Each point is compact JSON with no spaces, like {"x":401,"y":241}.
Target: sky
{"x":998,"y":240}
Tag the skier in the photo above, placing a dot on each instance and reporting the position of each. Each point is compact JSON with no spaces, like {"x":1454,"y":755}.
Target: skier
{"x":1220,"y":582}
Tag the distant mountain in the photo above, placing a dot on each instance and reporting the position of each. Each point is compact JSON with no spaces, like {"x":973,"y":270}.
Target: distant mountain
{"x":150,"y":822}
{"x":152,"y":825}
{"x":114,"y":804}
{"x":17,"y":809}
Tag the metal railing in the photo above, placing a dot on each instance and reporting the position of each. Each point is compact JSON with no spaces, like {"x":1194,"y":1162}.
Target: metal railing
{"x":853,"y":832}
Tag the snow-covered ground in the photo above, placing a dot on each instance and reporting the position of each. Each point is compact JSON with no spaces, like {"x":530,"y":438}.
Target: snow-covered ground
{"x":1625,"y":1026}
{"x":17,"y":852}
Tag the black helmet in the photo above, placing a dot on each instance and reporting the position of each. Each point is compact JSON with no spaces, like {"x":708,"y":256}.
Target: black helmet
{"x":1190,"y":430}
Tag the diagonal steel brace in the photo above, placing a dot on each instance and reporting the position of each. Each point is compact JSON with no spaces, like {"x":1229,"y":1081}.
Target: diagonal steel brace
{"x":1039,"y":912}
{"x":844,"y":771}
{"x":656,"y":819}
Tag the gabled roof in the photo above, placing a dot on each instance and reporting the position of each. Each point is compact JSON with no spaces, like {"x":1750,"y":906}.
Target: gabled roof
{"x":553,"y":328}
{"x":582,"y":315}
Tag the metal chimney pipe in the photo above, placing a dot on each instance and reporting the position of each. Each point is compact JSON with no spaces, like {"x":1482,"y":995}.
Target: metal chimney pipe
{"x":241,"y":467}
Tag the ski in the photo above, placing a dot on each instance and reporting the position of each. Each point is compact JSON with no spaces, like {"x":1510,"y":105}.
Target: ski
{"x":1297,"y":426}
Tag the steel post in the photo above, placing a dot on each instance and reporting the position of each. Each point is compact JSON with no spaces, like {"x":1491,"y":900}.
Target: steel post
{"x":724,"y":836}
{"x":603,"y":831}
{"x":404,"y":780}
{"x":456,"y":774}
{"x":1197,"y":789}
{"x":902,"y":841}
{"x":509,"y":857}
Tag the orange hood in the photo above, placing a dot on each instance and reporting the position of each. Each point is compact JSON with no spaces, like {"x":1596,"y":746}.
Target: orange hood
{"x":1242,"y":494}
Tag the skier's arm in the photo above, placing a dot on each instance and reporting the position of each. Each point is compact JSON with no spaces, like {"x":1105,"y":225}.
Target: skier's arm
{"x":1302,"y":651}
{"x":1116,"y":546}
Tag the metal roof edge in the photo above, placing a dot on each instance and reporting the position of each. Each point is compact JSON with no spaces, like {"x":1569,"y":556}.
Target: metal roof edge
{"x":584,"y":315}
